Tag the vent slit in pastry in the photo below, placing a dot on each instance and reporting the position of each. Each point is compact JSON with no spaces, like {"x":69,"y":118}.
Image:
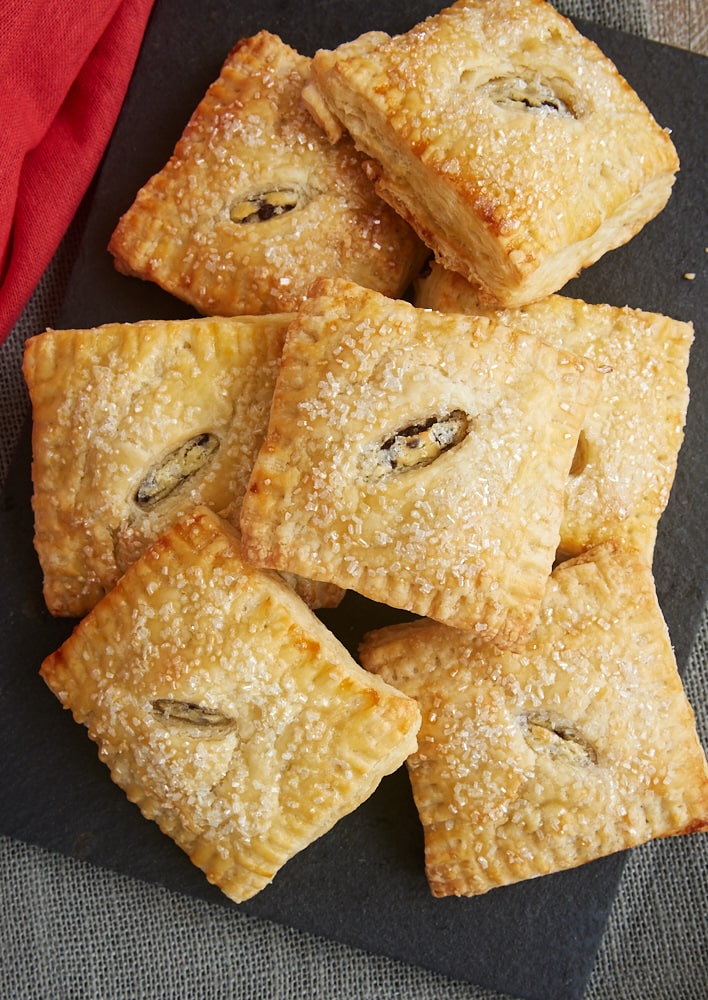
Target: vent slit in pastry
{"x":418,"y":444}
{"x":267,"y":205}
{"x":581,"y":456}
{"x":201,"y":721}
{"x":175,"y":469}
{"x":535,"y":95}
{"x":545,"y":733}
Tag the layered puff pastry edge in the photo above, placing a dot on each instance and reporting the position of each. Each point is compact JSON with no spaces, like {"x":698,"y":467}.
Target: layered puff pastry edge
{"x":505,"y":137}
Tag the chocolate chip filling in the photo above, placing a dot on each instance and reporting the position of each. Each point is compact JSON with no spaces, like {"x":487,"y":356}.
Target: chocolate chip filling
{"x":266,"y":205}
{"x":416,"y":445}
{"x":175,"y":469}
{"x":546,"y":733}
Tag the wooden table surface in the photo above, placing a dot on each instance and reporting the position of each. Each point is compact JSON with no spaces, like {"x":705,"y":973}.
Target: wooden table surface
{"x":683,"y":23}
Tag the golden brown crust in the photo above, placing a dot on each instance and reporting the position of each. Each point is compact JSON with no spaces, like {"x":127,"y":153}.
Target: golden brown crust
{"x":134,"y":424}
{"x":225,"y":709}
{"x":417,"y":458}
{"x":626,"y":461}
{"x":579,"y":744}
{"x":506,"y":138}
{"x":254,"y":204}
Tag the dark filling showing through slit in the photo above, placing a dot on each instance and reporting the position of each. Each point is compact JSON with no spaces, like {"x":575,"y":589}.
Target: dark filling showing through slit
{"x":196,"y":720}
{"x":546,"y":733}
{"x":175,"y":469}
{"x":417,"y":445}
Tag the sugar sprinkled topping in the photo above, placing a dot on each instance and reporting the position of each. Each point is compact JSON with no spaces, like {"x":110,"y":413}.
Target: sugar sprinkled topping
{"x":355,"y":370}
{"x":221,"y":708}
{"x":578,"y":745}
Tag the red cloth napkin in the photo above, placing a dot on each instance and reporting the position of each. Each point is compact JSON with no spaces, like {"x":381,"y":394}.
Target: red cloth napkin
{"x":65,"y":66}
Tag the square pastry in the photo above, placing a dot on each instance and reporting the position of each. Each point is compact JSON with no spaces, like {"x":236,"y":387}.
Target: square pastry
{"x":255,"y":203}
{"x":580,"y":744}
{"x":225,"y":709}
{"x":625,"y":463}
{"x":506,"y":138}
{"x":417,"y":458}
{"x":132,"y":425}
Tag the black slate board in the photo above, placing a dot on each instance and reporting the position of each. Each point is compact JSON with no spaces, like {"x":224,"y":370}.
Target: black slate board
{"x":362,"y":883}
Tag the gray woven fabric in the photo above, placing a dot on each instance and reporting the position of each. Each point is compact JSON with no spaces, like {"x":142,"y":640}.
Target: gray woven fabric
{"x":40,"y":312}
{"x":622,"y":15}
{"x":71,"y":931}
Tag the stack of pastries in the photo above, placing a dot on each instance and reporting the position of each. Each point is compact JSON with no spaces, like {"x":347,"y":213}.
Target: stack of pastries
{"x":384,"y":394}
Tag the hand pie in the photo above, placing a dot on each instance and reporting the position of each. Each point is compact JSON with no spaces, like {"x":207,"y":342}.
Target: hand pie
{"x":627,"y":453}
{"x":225,"y":709}
{"x":417,"y":458}
{"x":255,"y":203}
{"x":580,"y":744}
{"x":508,"y":140}
{"x":134,"y":424}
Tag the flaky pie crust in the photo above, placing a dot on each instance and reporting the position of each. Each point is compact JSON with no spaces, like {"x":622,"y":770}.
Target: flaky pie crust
{"x":225,"y":709}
